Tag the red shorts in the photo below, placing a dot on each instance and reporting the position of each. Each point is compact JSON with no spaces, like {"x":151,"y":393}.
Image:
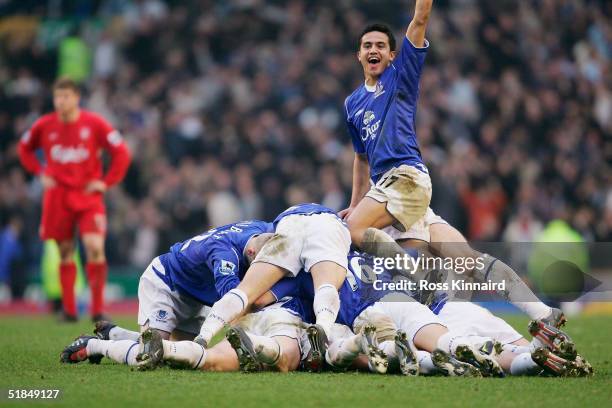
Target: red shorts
{"x":64,"y":209}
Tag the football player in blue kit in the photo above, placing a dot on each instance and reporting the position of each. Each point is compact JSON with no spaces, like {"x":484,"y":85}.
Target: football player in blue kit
{"x":177,"y":288}
{"x":380,"y":116}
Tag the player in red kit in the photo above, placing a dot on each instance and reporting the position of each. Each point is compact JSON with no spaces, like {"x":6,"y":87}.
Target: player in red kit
{"x":72,"y":140}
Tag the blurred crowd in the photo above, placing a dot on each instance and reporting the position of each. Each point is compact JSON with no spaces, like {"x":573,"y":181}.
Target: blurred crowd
{"x":233,"y":110}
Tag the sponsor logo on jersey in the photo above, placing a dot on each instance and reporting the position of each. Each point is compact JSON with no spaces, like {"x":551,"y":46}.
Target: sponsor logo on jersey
{"x":227,"y":268}
{"x":370,"y":126}
{"x":65,"y":155}
{"x":85,"y":132}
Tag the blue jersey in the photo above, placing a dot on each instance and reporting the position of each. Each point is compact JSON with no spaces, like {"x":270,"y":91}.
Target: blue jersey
{"x":381,"y":120}
{"x":208,"y":266}
{"x":303,"y":209}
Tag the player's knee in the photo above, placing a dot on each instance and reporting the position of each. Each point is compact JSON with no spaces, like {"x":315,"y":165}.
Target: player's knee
{"x":357,"y":232}
{"x":66,"y":250}
{"x":95,"y":252}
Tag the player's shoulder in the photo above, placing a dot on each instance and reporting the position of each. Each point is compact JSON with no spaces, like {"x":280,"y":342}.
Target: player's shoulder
{"x":92,"y":117}
{"x":357,"y":93}
{"x":46,"y":119}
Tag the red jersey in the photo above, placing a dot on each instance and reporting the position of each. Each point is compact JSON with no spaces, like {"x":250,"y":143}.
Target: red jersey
{"x":73,"y":150}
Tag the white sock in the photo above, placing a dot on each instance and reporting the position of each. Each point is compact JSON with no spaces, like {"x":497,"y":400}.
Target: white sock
{"x":449,"y":341}
{"x":535,"y":310}
{"x":326,"y":305}
{"x":517,"y":292}
{"x":184,"y":353}
{"x":267,"y":349}
{"x":341,"y":353}
{"x":517,"y":349}
{"x":229,"y":307}
{"x":119,"y":333}
{"x":426,"y":365}
{"x":524,"y":365}
{"x":120,"y":351}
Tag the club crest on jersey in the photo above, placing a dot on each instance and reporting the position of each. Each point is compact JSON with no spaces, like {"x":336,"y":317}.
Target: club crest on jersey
{"x":227,"y":268}
{"x":84,"y":134}
{"x":162,"y":315}
{"x":379,"y":90}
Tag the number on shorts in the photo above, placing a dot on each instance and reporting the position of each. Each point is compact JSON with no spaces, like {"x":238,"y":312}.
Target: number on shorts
{"x":389,"y":181}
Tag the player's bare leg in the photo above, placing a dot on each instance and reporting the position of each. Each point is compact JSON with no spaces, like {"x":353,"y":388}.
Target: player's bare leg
{"x":365,"y":224}
{"x":259,"y":278}
{"x":97,"y":271}
{"x":68,"y":273}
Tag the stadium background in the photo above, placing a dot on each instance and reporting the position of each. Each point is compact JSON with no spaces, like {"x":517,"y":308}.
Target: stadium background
{"x":234,"y":110}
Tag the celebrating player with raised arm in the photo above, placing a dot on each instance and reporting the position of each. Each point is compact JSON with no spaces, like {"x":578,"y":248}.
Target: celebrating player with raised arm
{"x":380,"y":116}
{"x":74,"y":185}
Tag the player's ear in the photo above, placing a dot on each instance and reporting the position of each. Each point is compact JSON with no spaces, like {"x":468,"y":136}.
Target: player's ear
{"x":392,"y":55}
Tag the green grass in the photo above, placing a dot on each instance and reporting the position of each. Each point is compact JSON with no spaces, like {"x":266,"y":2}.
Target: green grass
{"x":30,"y":350}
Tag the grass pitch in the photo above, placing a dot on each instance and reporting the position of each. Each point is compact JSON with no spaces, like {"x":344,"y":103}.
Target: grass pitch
{"x":30,"y":359}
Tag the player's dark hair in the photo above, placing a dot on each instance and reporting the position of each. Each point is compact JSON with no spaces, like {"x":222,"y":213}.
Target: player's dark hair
{"x":66,"y":83}
{"x":383,"y":28}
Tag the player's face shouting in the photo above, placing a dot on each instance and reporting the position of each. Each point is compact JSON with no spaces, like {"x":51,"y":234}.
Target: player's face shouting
{"x":375,"y":54}
{"x":65,"y":101}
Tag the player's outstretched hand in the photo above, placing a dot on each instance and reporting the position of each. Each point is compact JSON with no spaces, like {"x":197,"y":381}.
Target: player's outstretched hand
{"x":47,"y":181}
{"x":344,"y":214}
{"x":95,"y":186}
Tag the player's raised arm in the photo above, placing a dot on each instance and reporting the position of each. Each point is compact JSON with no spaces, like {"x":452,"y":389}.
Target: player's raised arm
{"x":418,"y":25}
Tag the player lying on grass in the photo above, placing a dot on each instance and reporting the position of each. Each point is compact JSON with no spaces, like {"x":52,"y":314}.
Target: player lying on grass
{"x":551,"y":349}
{"x":177,"y":287}
{"x":308,"y":237}
{"x":401,"y":324}
{"x":267,"y":339}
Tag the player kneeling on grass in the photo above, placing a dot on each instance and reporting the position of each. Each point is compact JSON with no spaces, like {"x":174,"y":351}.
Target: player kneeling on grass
{"x":176,"y":289}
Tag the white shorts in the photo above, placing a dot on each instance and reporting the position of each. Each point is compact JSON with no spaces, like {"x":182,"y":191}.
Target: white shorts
{"x":466,"y":318}
{"x":164,"y":309}
{"x":407,"y":192}
{"x":272,"y":321}
{"x":419,"y":230}
{"x":301,"y":241}
{"x":388,"y":316}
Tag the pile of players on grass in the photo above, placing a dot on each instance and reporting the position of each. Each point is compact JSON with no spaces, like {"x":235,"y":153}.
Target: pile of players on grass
{"x":296,"y":295}
{"x":263,"y":281}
